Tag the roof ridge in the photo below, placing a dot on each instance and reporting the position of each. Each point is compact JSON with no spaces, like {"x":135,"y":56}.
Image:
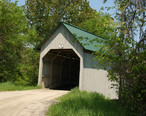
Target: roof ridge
{"x":67,"y":24}
{"x":81,"y":29}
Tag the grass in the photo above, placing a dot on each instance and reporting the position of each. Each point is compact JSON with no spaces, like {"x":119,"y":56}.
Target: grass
{"x":77,"y":103}
{"x":8,"y":86}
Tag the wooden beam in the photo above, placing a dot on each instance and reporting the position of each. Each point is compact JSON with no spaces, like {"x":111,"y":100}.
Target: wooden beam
{"x":56,"y":56}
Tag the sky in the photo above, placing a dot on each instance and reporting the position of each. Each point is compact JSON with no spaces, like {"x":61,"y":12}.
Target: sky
{"x":95,"y":4}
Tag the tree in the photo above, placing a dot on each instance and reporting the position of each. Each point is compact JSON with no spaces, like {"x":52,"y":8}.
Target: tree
{"x":18,"y":59}
{"x":12,"y":27}
{"x":44,"y":14}
{"x":99,"y":24}
{"x":126,"y":57}
{"x":28,"y":67}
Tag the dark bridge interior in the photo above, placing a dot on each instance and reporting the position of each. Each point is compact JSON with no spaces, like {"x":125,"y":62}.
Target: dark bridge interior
{"x":61,"y":69}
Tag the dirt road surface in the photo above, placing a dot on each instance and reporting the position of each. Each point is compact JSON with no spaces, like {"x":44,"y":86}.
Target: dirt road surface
{"x":28,"y":103}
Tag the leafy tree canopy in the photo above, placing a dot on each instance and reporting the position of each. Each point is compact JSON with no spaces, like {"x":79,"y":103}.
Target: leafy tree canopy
{"x":12,"y":27}
{"x":16,"y":37}
{"x":44,"y":14}
{"x":99,"y":24}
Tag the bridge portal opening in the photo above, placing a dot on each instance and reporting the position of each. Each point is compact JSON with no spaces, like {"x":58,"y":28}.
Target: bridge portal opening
{"x":61,"y":69}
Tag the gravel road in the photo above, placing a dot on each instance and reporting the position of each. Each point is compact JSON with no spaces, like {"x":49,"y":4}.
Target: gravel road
{"x":28,"y":103}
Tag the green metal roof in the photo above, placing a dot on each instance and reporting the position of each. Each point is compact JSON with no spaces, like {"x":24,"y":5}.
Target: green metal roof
{"x":86,"y":37}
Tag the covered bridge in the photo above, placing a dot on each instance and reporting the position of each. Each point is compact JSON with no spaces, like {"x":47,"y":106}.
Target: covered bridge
{"x":65,"y":63}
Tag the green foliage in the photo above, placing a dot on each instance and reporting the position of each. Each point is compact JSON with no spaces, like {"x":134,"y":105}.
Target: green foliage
{"x":28,"y":67}
{"x":9,"y":86}
{"x":44,"y":14}
{"x":18,"y":60}
{"x":126,"y":57}
{"x":100,"y":24}
{"x":77,"y":103}
{"x":12,"y":26}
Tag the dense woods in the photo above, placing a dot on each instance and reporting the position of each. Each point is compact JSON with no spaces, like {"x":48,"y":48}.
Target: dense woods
{"x":18,"y":60}
{"x":22,"y":28}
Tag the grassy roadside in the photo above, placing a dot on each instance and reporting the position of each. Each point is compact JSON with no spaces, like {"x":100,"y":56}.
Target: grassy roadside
{"x":8,"y":86}
{"x":77,"y":103}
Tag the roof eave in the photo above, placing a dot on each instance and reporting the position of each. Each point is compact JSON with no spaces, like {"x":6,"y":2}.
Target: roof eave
{"x":88,"y":51}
